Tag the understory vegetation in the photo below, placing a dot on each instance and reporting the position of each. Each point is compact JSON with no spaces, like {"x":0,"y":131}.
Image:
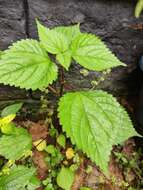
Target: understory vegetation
{"x":81,"y":128}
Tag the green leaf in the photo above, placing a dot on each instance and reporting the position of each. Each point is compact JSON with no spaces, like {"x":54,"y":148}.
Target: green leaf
{"x":69,"y":31}
{"x":15,"y":145}
{"x":90,"y":52}
{"x":17,"y":179}
{"x":64,"y":59}
{"x":95,"y":122}
{"x":139,"y":8}
{"x":65,"y":178}
{"x":54,"y":42}
{"x":58,"y":40}
{"x":1,"y":53}
{"x":27,"y":65}
{"x":61,"y":140}
{"x":12,"y":109}
{"x":8,"y":128}
{"x":49,"y":187}
{"x":33,"y":184}
{"x":6,"y":120}
{"x":51,"y":149}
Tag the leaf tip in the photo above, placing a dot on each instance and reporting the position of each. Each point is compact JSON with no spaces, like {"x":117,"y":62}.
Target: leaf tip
{"x":123,"y":64}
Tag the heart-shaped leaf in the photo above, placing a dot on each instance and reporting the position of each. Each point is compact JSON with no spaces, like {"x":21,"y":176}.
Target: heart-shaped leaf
{"x":27,"y":65}
{"x":95,"y":121}
{"x":90,"y":52}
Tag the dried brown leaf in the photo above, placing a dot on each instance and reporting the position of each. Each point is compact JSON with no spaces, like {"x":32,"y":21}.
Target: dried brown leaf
{"x":38,"y":131}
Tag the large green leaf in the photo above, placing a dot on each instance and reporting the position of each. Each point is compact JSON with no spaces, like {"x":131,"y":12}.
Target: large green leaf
{"x":95,"y":122}
{"x":15,"y":145}
{"x":17,"y":179}
{"x":90,"y":52}
{"x":27,"y":65}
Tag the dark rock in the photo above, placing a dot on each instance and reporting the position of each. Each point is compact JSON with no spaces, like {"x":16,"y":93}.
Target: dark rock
{"x":139,"y":113}
{"x":12,"y":28}
{"x":111,"y":20}
{"x":12,"y":22}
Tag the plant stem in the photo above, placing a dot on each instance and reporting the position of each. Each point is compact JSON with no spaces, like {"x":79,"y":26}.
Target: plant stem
{"x":50,"y":88}
{"x":62,"y":80}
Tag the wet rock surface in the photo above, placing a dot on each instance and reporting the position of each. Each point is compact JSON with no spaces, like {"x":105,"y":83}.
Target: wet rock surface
{"x":111,"y":20}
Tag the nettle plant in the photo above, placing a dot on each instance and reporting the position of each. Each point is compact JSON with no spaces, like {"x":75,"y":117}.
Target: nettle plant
{"x":93,"y":120}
